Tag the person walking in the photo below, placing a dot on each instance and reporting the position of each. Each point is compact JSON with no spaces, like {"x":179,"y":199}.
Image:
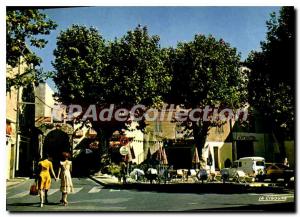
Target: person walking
{"x":64,"y":173}
{"x":44,"y":179}
{"x":123,"y":168}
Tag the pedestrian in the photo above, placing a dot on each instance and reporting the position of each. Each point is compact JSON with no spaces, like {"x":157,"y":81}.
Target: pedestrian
{"x":64,"y":173}
{"x":44,"y":179}
{"x":285,"y":162}
{"x":123,"y":171}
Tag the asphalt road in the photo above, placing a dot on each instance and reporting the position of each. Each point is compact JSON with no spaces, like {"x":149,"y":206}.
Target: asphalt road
{"x":90,"y":196}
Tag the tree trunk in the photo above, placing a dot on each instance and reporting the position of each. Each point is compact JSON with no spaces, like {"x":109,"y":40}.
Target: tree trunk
{"x":200,"y":131}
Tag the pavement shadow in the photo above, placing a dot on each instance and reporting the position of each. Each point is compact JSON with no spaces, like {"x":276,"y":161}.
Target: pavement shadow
{"x":36,"y":204}
{"x":289,"y":207}
{"x":24,"y":204}
{"x":218,"y":188}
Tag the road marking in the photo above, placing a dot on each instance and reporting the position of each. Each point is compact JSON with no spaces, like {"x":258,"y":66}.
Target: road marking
{"x":52,"y":191}
{"x":76,"y":190}
{"x":95,"y":189}
{"x":22,"y":194}
{"x":113,"y":190}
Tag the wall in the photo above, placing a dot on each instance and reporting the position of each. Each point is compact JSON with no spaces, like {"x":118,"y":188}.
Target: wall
{"x":45,"y":100}
{"x":137,"y":142}
{"x":11,"y":116}
{"x":224,"y":152}
{"x":290,"y":152}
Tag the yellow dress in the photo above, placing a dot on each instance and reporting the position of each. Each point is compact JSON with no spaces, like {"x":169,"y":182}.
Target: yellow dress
{"x":45,"y":178}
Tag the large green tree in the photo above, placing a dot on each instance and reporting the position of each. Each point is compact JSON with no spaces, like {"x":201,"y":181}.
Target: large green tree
{"x":124,"y":72}
{"x":272,"y":77}
{"x":206,"y":72}
{"x":24,"y":28}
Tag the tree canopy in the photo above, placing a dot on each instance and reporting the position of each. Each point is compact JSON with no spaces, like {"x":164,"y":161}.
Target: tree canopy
{"x":206,"y":72}
{"x":124,"y":72}
{"x":25,"y":27}
{"x":272,"y":77}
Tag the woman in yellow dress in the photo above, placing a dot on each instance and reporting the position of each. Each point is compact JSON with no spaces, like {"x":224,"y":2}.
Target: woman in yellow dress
{"x":44,"y":179}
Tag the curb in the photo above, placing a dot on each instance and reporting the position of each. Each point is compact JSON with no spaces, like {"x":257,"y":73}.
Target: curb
{"x":104,"y":183}
{"x":221,"y":188}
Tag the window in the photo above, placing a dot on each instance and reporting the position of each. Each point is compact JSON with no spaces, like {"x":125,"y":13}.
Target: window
{"x":240,"y":164}
{"x":220,"y":129}
{"x":260,"y":163}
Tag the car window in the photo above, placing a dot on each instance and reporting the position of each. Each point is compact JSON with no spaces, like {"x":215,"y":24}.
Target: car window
{"x":260,"y":163}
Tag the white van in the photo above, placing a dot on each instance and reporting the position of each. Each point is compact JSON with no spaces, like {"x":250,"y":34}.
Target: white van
{"x":252,"y":166}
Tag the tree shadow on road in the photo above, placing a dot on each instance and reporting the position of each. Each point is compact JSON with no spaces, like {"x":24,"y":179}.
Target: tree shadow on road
{"x":36,"y":204}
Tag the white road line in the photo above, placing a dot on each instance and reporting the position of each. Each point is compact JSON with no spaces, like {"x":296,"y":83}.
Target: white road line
{"x":112,"y":190}
{"x":95,"y":189}
{"x":76,"y":190}
{"x":19,"y":195}
{"x":52,"y":191}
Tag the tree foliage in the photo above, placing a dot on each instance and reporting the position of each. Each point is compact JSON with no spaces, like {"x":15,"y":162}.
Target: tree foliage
{"x":206,"y":72}
{"x":272,"y":78}
{"x":25,"y":26}
{"x":124,"y":72}
{"x":136,"y":70}
{"x":80,"y":60}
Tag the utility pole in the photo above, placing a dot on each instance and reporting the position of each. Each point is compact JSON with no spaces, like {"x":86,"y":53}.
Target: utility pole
{"x":16,"y":149}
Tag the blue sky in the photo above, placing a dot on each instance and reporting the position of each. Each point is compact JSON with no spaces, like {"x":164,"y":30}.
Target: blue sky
{"x":242,"y":27}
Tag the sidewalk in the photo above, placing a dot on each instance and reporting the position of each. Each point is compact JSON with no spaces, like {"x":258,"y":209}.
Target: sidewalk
{"x":192,"y":187}
{"x":15,"y":181}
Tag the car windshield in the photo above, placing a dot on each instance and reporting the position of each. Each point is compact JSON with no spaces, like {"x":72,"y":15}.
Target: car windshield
{"x":260,"y":163}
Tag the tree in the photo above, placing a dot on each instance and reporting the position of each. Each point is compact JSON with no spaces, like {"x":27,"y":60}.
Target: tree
{"x":272,"y":77}
{"x":80,"y":60}
{"x":137,"y":71}
{"x":25,"y":26}
{"x":206,"y":72}
{"x":124,"y":72}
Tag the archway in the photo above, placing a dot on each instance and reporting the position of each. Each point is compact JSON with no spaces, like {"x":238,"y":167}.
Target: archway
{"x":56,"y":142}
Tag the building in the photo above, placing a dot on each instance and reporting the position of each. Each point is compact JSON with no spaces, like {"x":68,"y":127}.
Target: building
{"x":14,"y":102}
{"x":44,"y":103}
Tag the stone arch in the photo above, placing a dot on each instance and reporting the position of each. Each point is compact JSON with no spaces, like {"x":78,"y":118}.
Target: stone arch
{"x":56,"y":139}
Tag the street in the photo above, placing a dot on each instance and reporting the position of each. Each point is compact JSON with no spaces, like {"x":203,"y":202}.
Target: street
{"x":90,"y":196}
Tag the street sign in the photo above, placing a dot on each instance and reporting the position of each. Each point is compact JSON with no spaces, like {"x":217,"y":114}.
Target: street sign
{"x":124,"y":150}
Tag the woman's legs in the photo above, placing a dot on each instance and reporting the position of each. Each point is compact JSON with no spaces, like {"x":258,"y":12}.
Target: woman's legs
{"x":46,"y":195}
{"x":64,"y":198}
{"x":41,"y":197}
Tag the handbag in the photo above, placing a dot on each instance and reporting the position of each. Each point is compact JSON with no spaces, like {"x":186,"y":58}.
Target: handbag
{"x":33,"y":189}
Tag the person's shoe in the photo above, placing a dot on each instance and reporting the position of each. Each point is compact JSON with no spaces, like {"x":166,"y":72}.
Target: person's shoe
{"x":46,"y":201}
{"x":41,"y":205}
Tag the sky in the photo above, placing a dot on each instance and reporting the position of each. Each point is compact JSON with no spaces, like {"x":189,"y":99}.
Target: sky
{"x":242,"y":27}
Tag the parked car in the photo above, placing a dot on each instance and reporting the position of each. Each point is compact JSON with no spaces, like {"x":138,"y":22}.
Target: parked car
{"x":246,"y":166}
{"x":279,"y":171}
{"x":252,"y":166}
